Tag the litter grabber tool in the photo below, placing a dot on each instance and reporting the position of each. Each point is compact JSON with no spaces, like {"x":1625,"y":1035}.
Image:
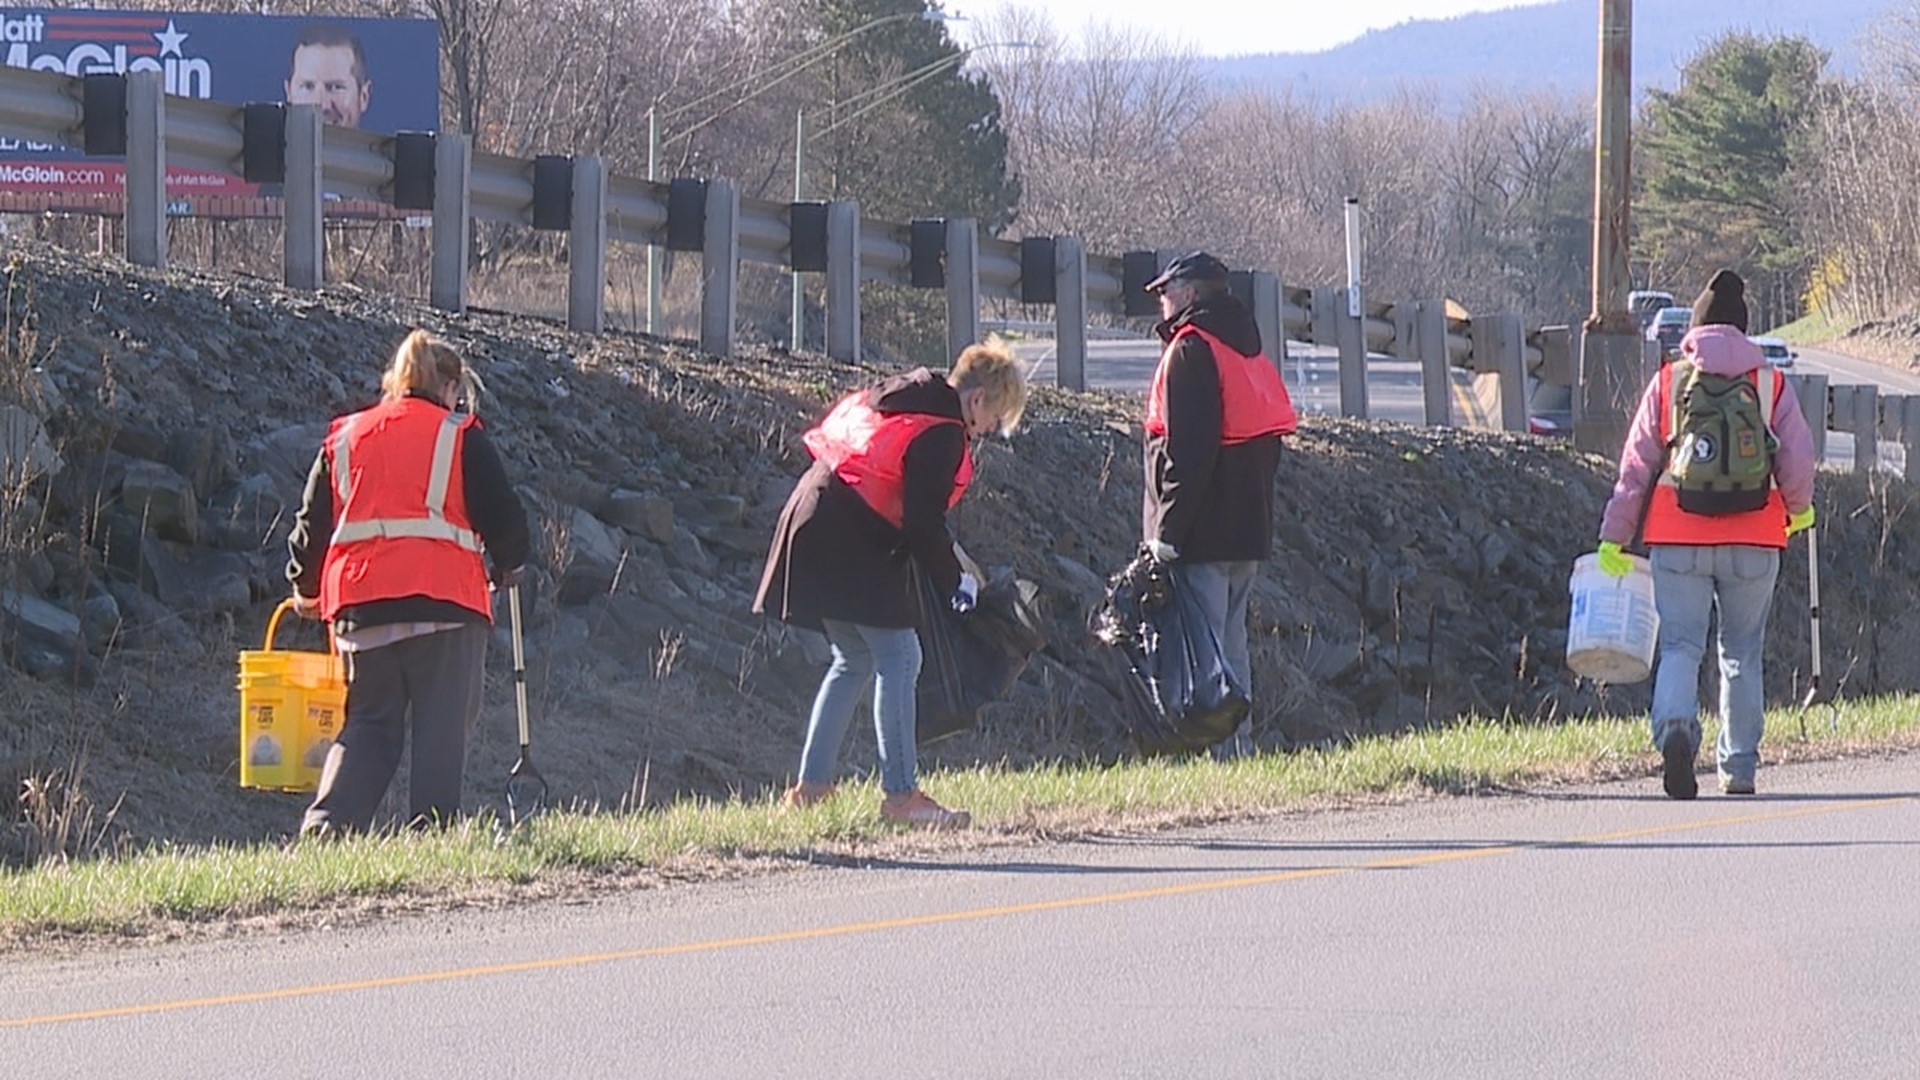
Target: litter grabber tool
{"x":526,"y":788}
{"x":1816,"y":692}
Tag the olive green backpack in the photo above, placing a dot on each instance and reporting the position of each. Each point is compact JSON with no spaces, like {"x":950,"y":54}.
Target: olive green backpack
{"x":1720,"y":451}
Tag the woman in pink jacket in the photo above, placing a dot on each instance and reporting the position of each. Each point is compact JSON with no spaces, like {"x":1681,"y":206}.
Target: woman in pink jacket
{"x":1713,"y":559}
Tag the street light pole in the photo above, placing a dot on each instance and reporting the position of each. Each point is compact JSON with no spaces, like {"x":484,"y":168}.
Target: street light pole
{"x":798,"y":335}
{"x":653,"y":250}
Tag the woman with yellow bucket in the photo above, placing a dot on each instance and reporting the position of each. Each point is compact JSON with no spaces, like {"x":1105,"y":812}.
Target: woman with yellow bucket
{"x":406,"y":502}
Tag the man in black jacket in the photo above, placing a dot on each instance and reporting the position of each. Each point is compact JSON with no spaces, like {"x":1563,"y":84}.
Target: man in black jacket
{"x":1215,"y":416}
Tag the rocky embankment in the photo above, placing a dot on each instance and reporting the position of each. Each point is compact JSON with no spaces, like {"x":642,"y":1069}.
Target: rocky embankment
{"x":164,"y":423}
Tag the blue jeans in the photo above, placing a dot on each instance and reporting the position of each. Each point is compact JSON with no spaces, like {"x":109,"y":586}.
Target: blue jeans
{"x":1689,"y":584}
{"x":890,"y":658}
{"x":1223,"y":589}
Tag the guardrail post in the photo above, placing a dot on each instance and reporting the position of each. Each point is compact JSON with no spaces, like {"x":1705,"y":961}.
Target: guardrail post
{"x":1070,"y":312}
{"x":843,"y":280}
{"x":1866,"y":428}
{"x":1511,"y":362}
{"x":1352,"y":338}
{"x":1350,"y":335}
{"x":306,"y":242}
{"x":1891,"y":422}
{"x":1910,"y":438}
{"x":720,"y":268}
{"x":1405,"y":317}
{"x":1267,"y":318}
{"x":963,"y":285}
{"x":1817,"y":407}
{"x":146,"y":169}
{"x":452,"y":209}
{"x":1556,"y":355}
{"x":587,"y":247}
{"x":1321,"y":328}
{"x":1436,"y":375}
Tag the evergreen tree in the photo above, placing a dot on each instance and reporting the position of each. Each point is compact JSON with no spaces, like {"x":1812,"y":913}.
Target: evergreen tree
{"x":1717,"y":156}
{"x":938,"y":148}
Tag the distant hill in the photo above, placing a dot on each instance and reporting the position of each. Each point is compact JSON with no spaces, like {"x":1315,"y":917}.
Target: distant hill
{"x":1548,"y":48}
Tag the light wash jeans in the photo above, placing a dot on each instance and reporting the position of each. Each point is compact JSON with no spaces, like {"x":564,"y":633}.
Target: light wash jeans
{"x":890,"y":658}
{"x":1689,"y":584}
{"x":1223,"y":589}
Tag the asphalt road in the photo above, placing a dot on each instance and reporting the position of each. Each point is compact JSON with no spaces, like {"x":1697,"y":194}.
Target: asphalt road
{"x":1599,"y":932}
{"x":1312,"y":376}
{"x":1393,"y":386}
{"x":1841,"y":370}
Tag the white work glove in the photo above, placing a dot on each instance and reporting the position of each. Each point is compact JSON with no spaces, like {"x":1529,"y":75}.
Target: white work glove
{"x":1162,"y":551}
{"x":966,"y":594}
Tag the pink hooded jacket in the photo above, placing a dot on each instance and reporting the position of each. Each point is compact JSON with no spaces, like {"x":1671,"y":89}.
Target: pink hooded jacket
{"x":1719,"y":350}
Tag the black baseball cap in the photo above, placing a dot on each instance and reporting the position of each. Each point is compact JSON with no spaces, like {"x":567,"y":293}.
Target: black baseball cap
{"x":1193,"y":266}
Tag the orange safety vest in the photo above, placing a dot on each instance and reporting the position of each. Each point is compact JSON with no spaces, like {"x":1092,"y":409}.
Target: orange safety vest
{"x":400,"y":510}
{"x":1668,"y":524}
{"x":867,"y":450}
{"x":1253,"y":400}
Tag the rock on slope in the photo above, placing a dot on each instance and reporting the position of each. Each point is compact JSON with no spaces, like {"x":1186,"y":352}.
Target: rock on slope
{"x":1418,"y":576}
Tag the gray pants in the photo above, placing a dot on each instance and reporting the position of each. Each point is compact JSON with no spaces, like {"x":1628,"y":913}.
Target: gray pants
{"x":1223,"y":589}
{"x":437,"y":678}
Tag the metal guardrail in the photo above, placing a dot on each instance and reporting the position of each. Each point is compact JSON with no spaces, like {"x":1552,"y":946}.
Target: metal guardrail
{"x":131,"y":115}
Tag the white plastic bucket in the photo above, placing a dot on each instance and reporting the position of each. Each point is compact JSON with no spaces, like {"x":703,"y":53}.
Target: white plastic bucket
{"x":1614,"y":626}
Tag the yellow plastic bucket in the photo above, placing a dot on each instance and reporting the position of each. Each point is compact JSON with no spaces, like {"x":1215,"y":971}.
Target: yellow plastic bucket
{"x":292,"y":705}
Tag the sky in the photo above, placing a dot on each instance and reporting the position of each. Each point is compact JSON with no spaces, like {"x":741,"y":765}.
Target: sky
{"x":1233,"y":27}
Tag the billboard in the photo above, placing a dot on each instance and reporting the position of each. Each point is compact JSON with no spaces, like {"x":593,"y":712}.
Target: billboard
{"x":380,"y":75}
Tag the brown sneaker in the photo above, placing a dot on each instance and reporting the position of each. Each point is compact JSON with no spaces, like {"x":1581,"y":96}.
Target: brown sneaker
{"x":802,"y":795}
{"x":916,"y":809}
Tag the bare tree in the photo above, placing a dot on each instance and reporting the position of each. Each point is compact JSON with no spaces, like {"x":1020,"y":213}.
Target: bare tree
{"x":1858,"y":200}
{"x":1097,"y":131}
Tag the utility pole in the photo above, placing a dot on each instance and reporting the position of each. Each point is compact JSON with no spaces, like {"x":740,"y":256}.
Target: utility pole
{"x":1611,"y":351}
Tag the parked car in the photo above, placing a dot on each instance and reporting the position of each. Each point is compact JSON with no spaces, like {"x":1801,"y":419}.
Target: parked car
{"x":1776,"y":351}
{"x":1668,"y":327}
{"x":1644,"y":304}
{"x":1550,"y":411}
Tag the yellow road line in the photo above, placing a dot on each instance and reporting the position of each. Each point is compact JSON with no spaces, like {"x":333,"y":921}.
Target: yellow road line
{"x":970,"y":915}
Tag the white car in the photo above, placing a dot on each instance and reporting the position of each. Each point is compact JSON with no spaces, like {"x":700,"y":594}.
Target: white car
{"x":1776,"y":351}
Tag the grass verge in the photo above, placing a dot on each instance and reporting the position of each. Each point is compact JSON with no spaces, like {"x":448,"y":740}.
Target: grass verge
{"x":562,"y":851}
{"x":1815,"y":328}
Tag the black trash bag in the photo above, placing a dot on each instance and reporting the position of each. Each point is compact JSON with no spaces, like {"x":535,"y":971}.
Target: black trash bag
{"x":1180,"y":696}
{"x":972,"y":659}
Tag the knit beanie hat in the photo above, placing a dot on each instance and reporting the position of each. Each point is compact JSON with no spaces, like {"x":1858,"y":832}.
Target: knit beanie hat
{"x":1724,"y":302}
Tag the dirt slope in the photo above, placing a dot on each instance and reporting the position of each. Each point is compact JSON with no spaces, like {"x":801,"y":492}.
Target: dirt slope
{"x":1419,"y":575}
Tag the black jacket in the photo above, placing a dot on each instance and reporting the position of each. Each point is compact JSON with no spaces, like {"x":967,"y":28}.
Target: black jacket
{"x":835,"y":557}
{"x":497,"y":516}
{"x":1212,"y":502}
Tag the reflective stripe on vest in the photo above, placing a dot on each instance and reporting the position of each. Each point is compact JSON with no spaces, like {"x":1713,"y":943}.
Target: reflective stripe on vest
{"x":435,"y":525}
{"x":342,"y":470}
{"x":867,"y":450}
{"x":1667,"y":523}
{"x":1253,"y":398}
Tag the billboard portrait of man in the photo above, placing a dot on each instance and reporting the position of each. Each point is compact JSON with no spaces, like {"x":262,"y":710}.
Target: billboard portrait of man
{"x":328,"y":68}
